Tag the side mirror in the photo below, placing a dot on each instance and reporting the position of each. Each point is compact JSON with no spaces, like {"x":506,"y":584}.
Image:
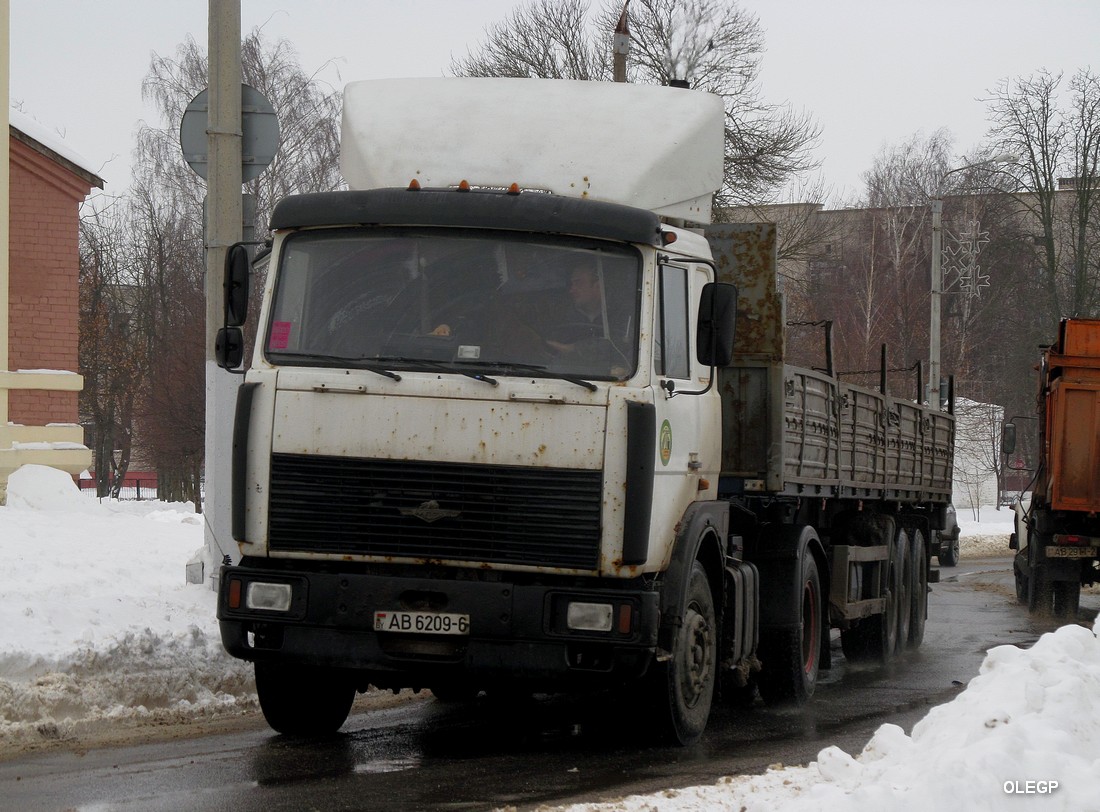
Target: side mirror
{"x":1008,"y":438}
{"x":715,"y":332}
{"x":229,"y":348}
{"x":235,"y":284}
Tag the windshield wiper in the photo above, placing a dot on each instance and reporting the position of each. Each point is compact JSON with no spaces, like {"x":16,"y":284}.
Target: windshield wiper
{"x":341,"y":360}
{"x":503,"y":367}
{"x":439,"y":366}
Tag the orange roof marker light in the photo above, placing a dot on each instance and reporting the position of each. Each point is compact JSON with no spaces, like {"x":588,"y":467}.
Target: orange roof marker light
{"x":464,"y":186}
{"x":514,"y":189}
{"x":414,"y":185}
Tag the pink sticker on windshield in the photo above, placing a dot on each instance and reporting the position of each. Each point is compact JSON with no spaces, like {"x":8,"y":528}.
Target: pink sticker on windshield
{"x":280,"y":335}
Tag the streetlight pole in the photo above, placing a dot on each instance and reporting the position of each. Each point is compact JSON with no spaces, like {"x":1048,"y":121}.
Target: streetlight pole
{"x":937,"y":277}
{"x":937,"y":297}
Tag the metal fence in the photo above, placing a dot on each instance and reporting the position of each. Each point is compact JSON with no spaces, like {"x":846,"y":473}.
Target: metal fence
{"x":133,"y":489}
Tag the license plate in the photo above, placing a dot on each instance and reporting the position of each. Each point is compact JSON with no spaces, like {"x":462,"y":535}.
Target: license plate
{"x":422,"y":622}
{"x":1070,"y":552}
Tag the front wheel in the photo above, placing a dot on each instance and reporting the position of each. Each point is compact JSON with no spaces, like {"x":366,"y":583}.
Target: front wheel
{"x":299,"y":700}
{"x":684,"y":684}
{"x":949,"y":552}
{"x":791,"y":658}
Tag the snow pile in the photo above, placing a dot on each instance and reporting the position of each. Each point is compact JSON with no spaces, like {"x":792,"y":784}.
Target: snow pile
{"x":98,"y":621}
{"x":987,"y":536}
{"x":102,"y":632}
{"x":1025,"y":734}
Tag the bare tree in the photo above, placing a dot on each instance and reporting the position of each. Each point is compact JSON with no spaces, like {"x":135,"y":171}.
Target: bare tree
{"x":714,"y":45}
{"x":1058,"y":142}
{"x":111,"y":354}
{"x":155,"y":233}
{"x":307,"y":158}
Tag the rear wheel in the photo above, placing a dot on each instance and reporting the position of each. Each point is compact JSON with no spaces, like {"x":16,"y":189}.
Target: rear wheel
{"x":791,"y":658}
{"x":904,"y":580}
{"x":303,"y":700}
{"x":684,"y":684}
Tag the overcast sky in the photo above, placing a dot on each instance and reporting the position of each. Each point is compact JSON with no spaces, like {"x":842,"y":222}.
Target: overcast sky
{"x":871,"y":72}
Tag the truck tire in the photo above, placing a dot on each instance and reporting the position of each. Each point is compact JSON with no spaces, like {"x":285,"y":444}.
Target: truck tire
{"x":1021,"y":583}
{"x":791,"y":658}
{"x":949,"y":552}
{"x":684,"y":684}
{"x":903,"y":563}
{"x":303,"y":701}
{"x":1040,"y":598}
{"x":918,"y":612}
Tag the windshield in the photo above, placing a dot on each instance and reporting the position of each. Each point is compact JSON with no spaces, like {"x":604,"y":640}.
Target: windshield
{"x":415,"y":299}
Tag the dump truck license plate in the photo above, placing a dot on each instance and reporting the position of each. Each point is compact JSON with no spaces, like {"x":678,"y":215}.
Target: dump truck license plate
{"x":1070,"y":552}
{"x":421,"y":622}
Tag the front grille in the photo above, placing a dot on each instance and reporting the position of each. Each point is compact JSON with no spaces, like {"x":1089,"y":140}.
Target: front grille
{"x":408,"y":508}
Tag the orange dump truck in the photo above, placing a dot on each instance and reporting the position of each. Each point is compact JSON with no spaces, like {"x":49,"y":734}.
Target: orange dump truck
{"x":1058,"y":535}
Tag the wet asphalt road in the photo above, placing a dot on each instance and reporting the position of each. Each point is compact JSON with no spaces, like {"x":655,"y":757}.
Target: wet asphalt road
{"x":427,"y":755}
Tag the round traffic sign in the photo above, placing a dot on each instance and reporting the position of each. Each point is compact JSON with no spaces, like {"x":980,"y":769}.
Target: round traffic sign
{"x":259,"y":133}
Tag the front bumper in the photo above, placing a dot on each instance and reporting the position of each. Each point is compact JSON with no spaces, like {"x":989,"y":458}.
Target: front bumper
{"x":517,"y":630}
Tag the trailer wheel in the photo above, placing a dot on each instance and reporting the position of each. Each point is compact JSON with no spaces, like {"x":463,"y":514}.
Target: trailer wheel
{"x":903,"y":577}
{"x":684,"y":684}
{"x":303,"y":701}
{"x":919,"y":594}
{"x":791,"y":658}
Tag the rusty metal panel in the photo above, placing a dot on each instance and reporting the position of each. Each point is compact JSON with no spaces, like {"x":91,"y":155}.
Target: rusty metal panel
{"x":1075,"y":447}
{"x":863,"y":436}
{"x":904,"y":443}
{"x":745,"y":255}
{"x":745,"y":432}
{"x":811,"y":447}
{"x":1081,"y":337}
{"x":939,"y":453}
{"x":795,"y":427}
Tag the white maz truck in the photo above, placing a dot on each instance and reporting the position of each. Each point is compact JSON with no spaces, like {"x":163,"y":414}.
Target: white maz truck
{"x":516,"y":419}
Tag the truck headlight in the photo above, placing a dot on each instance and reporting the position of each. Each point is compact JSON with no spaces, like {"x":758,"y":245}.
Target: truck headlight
{"x":589,"y":617}
{"x":269,"y":597}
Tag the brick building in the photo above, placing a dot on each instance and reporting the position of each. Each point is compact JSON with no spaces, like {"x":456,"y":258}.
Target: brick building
{"x":39,"y":381}
{"x":43,"y":300}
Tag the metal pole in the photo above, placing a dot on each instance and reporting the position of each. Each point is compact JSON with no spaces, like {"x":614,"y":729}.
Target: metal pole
{"x":936,"y":297}
{"x":621,"y":47}
{"x":223,"y":228}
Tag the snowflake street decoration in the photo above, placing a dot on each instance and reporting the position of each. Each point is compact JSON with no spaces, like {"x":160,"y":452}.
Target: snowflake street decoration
{"x":961,"y":271}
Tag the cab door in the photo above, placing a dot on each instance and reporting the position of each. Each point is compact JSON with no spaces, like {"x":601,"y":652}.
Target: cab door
{"x":688,"y":442}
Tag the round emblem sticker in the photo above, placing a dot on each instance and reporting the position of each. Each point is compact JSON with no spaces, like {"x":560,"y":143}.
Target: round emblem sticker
{"x":666,"y":442}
